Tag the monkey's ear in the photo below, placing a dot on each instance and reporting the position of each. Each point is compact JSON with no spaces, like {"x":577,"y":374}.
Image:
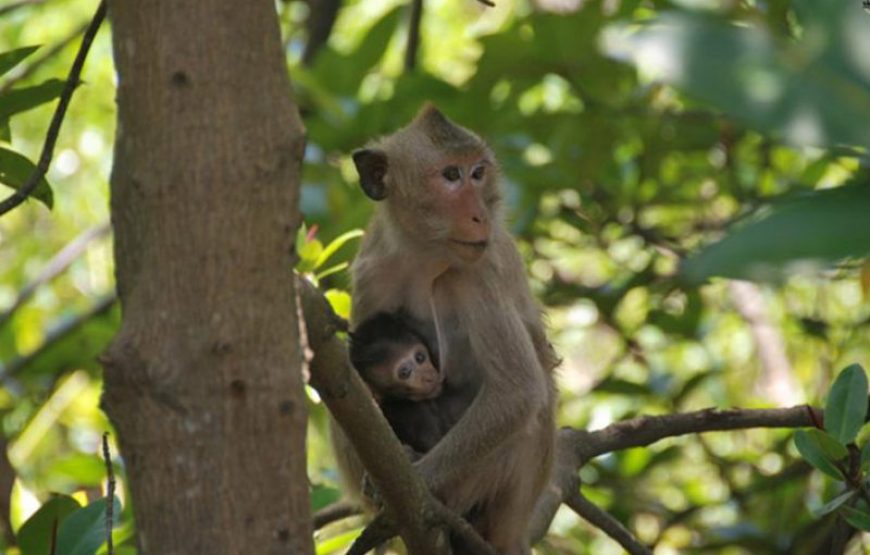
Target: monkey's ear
{"x":371,"y":165}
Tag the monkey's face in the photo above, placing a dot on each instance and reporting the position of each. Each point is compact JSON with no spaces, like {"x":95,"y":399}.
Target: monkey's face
{"x":458,"y":187}
{"x":413,"y":376}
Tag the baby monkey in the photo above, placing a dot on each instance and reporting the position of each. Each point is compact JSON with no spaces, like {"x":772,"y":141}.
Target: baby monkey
{"x":397,"y":364}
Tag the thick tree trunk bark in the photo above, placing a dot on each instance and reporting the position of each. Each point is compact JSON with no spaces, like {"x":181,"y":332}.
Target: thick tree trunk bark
{"x":203,"y":382}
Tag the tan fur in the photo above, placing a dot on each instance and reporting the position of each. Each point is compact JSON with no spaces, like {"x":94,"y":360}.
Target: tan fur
{"x":494,"y":462}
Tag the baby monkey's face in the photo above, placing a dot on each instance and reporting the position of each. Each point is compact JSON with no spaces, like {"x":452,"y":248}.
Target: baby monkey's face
{"x":414,"y":375}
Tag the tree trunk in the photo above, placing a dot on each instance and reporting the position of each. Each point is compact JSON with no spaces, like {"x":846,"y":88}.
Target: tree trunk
{"x":203,"y":382}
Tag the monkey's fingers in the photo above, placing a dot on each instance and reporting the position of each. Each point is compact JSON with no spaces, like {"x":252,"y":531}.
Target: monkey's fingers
{"x":378,"y":531}
{"x":370,"y":492}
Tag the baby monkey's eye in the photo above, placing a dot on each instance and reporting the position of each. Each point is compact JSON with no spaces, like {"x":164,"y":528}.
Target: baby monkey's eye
{"x":451,"y":173}
{"x":420,"y":357}
{"x":478,"y":172}
{"x":404,"y":372}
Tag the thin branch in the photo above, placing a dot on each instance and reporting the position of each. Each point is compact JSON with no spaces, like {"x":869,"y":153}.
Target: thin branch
{"x":413,"y":35}
{"x":487,"y":3}
{"x":335,"y":512}
{"x":22,"y":193}
{"x":645,"y":430}
{"x":58,"y":263}
{"x":35,"y":63}
{"x":319,"y":24}
{"x":606,"y":523}
{"x":13,"y":6}
{"x":350,"y":403}
{"x":57,"y":334}
{"x":110,"y":494}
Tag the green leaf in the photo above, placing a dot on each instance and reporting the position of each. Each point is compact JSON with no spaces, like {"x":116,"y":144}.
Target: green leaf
{"x":5,"y":131}
{"x":830,"y":445}
{"x":332,"y":270}
{"x":342,"y":74}
{"x":21,"y":100}
{"x":340,"y":302}
{"x":802,"y":233}
{"x":12,"y":58}
{"x":84,"y":531}
{"x":834,"y":504}
{"x":811,"y":450}
{"x":34,"y":536}
{"x":847,"y":404}
{"x":865,"y":457}
{"x":809,"y":91}
{"x":322,"y":496}
{"x":336,"y":244}
{"x":15,"y":169}
{"x":308,"y":255}
{"x":856,"y":517}
{"x":337,"y":543}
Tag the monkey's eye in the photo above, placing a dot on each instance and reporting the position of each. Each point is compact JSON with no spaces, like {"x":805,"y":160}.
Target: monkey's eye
{"x":478,"y":173}
{"x":404,"y":372}
{"x":451,"y":173}
{"x":420,"y":357}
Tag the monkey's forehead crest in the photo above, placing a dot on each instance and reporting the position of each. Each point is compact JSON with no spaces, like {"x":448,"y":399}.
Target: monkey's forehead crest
{"x":441,"y":131}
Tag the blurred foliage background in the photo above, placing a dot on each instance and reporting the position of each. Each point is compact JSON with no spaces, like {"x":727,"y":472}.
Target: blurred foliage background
{"x":688,"y":181}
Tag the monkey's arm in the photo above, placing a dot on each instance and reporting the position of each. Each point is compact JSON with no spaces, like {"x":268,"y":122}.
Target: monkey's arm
{"x":514,"y":393}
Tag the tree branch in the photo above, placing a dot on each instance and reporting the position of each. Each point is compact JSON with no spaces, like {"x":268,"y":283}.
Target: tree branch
{"x":321,"y":19}
{"x":606,"y":523}
{"x":26,"y":71}
{"x":335,"y":512}
{"x":413,"y":35}
{"x":67,"y":327}
{"x":575,"y":448}
{"x":22,"y":193}
{"x":58,"y":263}
{"x":350,"y":403}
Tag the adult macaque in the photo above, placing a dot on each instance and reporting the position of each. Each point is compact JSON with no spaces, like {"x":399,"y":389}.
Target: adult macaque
{"x":402,"y":374}
{"x":437,"y":249}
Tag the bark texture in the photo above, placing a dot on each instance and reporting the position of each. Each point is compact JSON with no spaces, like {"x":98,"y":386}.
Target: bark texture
{"x":204,"y":381}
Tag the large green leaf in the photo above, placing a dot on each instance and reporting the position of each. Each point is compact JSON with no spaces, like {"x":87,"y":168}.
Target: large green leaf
{"x":34,"y":537}
{"x":84,"y":531}
{"x":810,"y":91}
{"x":23,"y":99}
{"x":321,"y":496}
{"x":804,"y":232}
{"x":15,"y":169}
{"x":834,"y":504}
{"x":858,"y":518}
{"x":811,"y":450}
{"x":12,"y":58}
{"x":342,"y":74}
{"x":847,"y":404}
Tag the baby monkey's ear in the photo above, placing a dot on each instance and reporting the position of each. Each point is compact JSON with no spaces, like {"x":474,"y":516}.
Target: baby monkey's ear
{"x":371,"y":165}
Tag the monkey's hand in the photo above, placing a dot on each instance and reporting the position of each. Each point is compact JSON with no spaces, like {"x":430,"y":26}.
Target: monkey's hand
{"x":370,"y":492}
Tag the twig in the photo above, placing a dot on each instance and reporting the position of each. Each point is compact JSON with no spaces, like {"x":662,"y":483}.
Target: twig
{"x":349,"y":401}
{"x":13,"y":6}
{"x":110,"y":494}
{"x":487,"y":3}
{"x":645,"y":430}
{"x":382,"y":529}
{"x":413,"y":35}
{"x":22,"y":193}
{"x":58,"y":263}
{"x":376,"y":532}
{"x":319,"y":24}
{"x":27,"y":70}
{"x":606,"y":523}
{"x":69,"y":326}
{"x":332,"y":513}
